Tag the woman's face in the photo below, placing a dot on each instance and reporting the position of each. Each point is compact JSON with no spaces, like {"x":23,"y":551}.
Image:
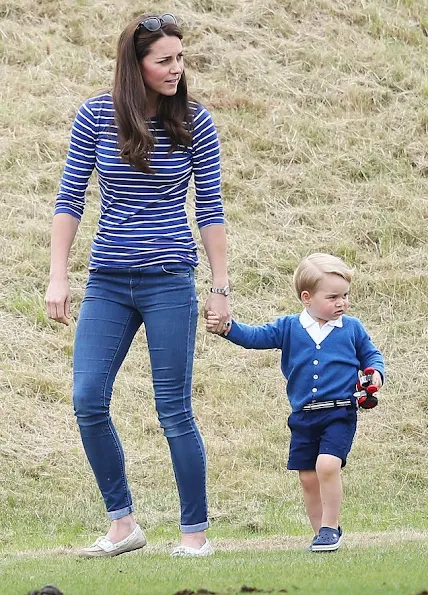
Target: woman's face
{"x":162,"y":67}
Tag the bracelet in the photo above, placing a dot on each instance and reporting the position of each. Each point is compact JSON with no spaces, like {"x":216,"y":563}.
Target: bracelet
{"x":221,"y":290}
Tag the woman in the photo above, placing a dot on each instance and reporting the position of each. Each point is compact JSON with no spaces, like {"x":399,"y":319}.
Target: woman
{"x":145,"y":139}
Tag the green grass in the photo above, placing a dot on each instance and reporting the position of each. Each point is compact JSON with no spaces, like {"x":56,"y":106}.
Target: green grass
{"x":399,"y":569}
{"x":321,"y":108}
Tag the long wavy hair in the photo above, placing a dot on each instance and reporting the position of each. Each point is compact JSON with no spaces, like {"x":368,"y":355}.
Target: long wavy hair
{"x":136,"y":143}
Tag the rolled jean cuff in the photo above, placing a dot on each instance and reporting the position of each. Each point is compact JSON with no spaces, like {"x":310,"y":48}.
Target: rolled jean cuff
{"x":118,"y":514}
{"x":194,"y":528}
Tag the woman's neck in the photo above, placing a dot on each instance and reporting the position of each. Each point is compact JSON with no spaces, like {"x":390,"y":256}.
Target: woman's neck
{"x":153,"y":104}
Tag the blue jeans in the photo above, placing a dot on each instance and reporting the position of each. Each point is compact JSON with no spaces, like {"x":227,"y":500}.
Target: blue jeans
{"x":116,"y":303}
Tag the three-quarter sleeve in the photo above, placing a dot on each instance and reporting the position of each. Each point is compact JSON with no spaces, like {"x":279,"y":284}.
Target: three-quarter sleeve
{"x":79,"y":164}
{"x":207,"y":172}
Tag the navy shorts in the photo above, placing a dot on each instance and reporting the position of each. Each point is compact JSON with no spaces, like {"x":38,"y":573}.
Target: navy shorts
{"x":323,"y":431}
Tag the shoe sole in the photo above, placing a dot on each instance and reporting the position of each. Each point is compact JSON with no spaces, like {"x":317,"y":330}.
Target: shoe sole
{"x":104,"y":554}
{"x":189,"y":552}
{"x":327,"y":548}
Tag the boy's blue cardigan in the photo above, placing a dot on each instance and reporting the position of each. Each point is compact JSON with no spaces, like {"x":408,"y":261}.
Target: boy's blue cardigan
{"x":314,"y":372}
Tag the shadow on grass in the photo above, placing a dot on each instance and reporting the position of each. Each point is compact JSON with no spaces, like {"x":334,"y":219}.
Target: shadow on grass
{"x":47,"y":590}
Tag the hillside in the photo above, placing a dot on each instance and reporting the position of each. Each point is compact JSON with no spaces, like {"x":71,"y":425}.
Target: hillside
{"x":322,"y":112}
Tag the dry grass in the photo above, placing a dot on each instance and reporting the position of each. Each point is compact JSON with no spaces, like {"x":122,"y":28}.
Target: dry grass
{"x":322,"y":111}
{"x":353,"y":540}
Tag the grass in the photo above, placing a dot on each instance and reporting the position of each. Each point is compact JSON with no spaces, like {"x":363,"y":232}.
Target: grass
{"x":321,"y":111}
{"x":380,"y":570}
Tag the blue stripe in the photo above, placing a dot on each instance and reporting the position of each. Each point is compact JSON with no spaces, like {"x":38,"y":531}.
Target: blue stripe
{"x":142,"y":216}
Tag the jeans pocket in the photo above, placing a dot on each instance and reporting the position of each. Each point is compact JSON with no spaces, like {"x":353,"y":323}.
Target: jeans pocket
{"x":177,"y":269}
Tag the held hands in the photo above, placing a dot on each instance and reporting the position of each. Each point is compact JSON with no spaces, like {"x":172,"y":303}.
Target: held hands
{"x":58,"y":300}
{"x":213,"y":324}
{"x":218,"y":305}
{"x":218,"y":314}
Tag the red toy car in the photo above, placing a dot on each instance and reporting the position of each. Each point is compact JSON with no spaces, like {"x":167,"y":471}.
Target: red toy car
{"x":366,"y":390}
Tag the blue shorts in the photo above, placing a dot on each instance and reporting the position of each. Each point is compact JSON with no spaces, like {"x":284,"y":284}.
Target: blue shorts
{"x":323,"y":431}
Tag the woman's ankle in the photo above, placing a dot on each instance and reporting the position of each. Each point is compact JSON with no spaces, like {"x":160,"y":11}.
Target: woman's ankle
{"x":195,"y":540}
{"x":121,"y":528}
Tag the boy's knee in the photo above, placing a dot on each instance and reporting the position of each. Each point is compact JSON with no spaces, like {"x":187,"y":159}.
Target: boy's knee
{"x":328,"y":465}
{"x":308,"y":479}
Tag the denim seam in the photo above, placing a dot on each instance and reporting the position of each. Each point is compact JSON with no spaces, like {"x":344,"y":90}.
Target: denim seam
{"x":131,"y":290}
{"x":185,"y":275}
{"x":183,"y":397}
{"x":114,"y":435}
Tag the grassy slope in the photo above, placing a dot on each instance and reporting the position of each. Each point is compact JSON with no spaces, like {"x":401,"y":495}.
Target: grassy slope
{"x":321,"y":109}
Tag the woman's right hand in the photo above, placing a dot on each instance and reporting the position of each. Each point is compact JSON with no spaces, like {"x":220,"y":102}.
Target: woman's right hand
{"x":58,"y":300}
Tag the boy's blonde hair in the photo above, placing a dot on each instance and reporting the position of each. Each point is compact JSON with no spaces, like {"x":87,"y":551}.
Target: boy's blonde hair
{"x":313,"y":268}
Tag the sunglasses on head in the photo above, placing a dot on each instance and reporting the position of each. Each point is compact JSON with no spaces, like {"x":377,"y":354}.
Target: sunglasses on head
{"x":155,"y":23}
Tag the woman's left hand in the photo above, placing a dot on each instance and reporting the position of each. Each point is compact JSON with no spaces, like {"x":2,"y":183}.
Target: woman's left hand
{"x":219,"y":305}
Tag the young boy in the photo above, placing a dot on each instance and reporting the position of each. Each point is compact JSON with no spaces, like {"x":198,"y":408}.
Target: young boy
{"x":322,"y":353}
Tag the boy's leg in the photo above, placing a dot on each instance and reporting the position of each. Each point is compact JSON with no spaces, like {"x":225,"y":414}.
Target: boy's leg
{"x":312,"y":497}
{"x":304,"y":447}
{"x":330,"y":488}
{"x":335,"y":444}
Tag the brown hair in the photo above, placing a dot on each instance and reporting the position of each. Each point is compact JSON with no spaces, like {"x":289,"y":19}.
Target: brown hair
{"x":136,"y":143}
{"x":313,"y":268}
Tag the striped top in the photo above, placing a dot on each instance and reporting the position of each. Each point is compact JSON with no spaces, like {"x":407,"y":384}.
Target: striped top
{"x":142,"y":216}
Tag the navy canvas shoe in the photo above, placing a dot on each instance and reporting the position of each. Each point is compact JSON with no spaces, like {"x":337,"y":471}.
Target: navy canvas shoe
{"x":327,"y":540}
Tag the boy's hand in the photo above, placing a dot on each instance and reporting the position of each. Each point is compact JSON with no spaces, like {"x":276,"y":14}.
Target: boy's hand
{"x":212,"y":322}
{"x":377,"y":379}
{"x":367,"y":386}
{"x":219,"y":305}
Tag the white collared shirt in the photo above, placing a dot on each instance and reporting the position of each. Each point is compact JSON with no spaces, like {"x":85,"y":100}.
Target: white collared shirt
{"x":316,"y":332}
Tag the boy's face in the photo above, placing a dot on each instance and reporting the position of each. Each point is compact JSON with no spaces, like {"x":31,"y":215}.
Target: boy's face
{"x":329,"y":301}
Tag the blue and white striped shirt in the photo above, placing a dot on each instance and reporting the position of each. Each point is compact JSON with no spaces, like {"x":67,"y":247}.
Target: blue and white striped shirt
{"x":142,"y":216}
